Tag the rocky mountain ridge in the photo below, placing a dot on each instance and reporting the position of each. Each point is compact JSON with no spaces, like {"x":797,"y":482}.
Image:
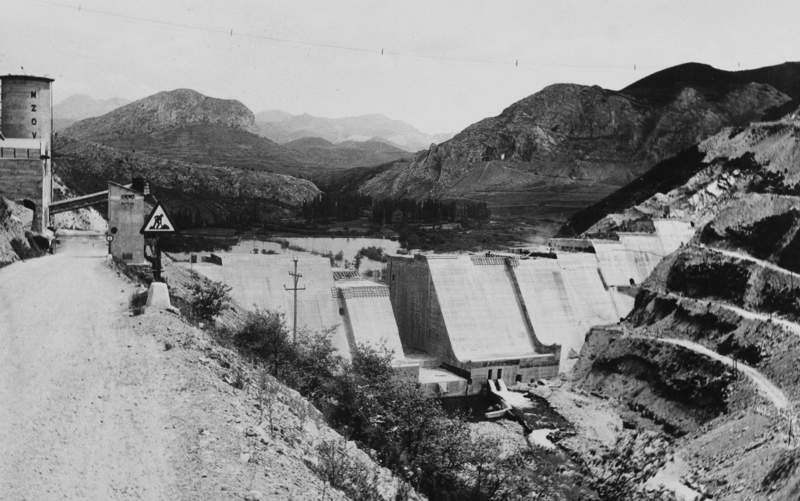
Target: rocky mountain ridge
{"x":694,"y":185}
{"x":161,"y":111}
{"x":569,"y":145}
{"x":184,"y":125}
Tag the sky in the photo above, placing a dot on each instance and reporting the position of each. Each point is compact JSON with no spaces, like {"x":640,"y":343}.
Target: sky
{"x":437,"y":64}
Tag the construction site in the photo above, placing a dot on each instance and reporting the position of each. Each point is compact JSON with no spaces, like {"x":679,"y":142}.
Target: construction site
{"x":454,"y":322}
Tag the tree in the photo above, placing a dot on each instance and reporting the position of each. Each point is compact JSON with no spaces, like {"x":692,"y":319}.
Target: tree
{"x":208,"y":298}
{"x":265,"y":334}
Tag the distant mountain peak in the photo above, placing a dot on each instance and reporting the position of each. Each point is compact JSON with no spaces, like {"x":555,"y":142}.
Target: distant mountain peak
{"x":284,"y":127}
{"x":164,"y":110}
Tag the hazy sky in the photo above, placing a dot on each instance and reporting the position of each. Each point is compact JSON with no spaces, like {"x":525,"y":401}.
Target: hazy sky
{"x":445,"y":65}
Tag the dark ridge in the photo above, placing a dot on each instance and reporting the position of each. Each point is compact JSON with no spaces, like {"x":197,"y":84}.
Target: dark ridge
{"x":663,"y":86}
{"x":350,"y":180}
{"x":666,"y":175}
{"x":778,"y":112}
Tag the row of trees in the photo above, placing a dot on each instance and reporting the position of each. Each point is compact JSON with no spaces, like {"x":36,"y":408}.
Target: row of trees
{"x":348,"y":206}
{"x":429,"y":211}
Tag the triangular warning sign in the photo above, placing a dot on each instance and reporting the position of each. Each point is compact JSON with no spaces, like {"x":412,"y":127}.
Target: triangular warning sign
{"x":158,"y":222}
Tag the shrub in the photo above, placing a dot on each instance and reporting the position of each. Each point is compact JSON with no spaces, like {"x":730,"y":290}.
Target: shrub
{"x":265,"y":334}
{"x":709,"y":278}
{"x":374,"y":253}
{"x":336,"y":466}
{"x":208,"y":298}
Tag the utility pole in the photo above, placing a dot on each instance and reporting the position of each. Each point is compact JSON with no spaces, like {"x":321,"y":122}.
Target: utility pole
{"x":296,"y":277}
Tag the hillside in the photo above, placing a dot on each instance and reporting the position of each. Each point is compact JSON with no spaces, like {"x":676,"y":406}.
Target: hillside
{"x":707,"y":356}
{"x":164,"y":110}
{"x":760,"y":158}
{"x":284,"y":127}
{"x":184,"y":125}
{"x":210,"y":143}
{"x":197,"y":194}
{"x":567,"y":146}
{"x":347,"y":154}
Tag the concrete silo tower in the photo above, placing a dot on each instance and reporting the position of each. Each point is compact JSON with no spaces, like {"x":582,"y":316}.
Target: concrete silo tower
{"x":26,"y":137}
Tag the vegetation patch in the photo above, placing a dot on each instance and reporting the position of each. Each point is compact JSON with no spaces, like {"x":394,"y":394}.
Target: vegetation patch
{"x":759,"y":239}
{"x":710,"y":278}
{"x":208,"y":298}
{"x":783,"y":300}
{"x":414,"y":436}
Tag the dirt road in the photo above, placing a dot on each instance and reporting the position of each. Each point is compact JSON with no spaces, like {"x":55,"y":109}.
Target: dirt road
{"x":80,"y":406}
{"x":774,"y":394}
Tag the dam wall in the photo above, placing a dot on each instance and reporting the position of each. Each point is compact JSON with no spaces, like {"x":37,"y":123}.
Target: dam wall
{"x":480,"y":309}
{"x":368,"y":315}
{"x":467,"y":311}
{"x":551,"y":305}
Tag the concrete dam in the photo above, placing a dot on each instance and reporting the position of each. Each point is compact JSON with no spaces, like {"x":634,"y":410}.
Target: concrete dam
{"x":456,"y":321}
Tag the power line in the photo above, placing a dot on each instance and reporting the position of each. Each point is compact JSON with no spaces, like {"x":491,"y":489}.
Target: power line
{"x":231,"y":32}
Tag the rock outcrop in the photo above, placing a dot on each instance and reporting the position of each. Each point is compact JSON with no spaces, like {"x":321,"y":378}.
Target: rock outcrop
{"x":15,"y":242}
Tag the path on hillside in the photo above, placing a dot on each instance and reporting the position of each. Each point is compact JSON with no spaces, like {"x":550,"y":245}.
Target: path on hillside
{"x":762,"y":383}
{"x":790,"y":326}
{"x":80,"y":405}
{"x":747,"y":257}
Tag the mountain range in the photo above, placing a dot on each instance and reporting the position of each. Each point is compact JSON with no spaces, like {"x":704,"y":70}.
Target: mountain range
{"x":188,"y":126}
{"x":283,"y":127}
{"x":543,"y":159}
{"x":567,"y":146}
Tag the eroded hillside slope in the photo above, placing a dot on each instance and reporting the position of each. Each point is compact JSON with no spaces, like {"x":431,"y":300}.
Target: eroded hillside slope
{"x":709,"y":353}
{"x":696,"y":184}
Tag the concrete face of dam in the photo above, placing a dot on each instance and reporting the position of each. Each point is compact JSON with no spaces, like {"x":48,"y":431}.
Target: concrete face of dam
{"x":468,"y":312}
{"x":368,"y":316}
{"x":479,"y":308}
{"x":551,"y":304}
{"x":496,"y":311}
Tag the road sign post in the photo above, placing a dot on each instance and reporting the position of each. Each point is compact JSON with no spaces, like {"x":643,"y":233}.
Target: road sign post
{"x":156,"y":225}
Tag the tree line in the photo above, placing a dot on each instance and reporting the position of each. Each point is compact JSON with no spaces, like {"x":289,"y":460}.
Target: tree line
{"x":348,"y":206}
